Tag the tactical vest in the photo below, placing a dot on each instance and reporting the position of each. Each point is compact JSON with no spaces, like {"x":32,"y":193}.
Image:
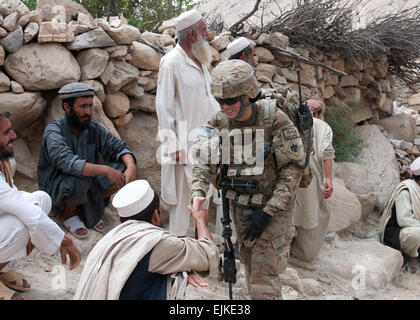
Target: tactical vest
{"x":264,"y":177}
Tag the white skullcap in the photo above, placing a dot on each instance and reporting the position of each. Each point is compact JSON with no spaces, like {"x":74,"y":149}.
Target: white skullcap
{"x":133,"y":198}
{"x":415,"y":167}
{"x":237,"y":46}
{"x":187,"y":19}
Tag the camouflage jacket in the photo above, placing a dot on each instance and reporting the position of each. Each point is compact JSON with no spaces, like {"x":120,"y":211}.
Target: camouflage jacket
{"x":277,"y":178}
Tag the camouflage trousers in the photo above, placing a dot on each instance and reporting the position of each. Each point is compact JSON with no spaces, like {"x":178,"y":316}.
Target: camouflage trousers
{"x":265,"y":258}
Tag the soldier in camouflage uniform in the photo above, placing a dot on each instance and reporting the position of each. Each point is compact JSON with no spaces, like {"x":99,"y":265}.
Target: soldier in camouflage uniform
{"x":262,"y":215}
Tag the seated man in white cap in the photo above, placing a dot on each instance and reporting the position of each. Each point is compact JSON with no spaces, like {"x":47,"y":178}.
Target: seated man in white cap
{"x":69,"y":169}
{"x":400,"y":222}
{"x":242,"y":49}
{"x":183,"y":103}
{"x":138,"y":260}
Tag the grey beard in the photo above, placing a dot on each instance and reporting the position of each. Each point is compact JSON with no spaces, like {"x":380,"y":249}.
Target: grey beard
{"x":202,"y":52}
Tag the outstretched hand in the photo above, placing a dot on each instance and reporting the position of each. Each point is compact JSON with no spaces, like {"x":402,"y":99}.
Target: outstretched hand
{"x":196,"y":281}
{"x":328,"y":189}
{"x":68,"y":248}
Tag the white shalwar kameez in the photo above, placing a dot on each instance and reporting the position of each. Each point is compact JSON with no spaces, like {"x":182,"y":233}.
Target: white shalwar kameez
{"x":24,"y":217}
{"x":183,"y":103}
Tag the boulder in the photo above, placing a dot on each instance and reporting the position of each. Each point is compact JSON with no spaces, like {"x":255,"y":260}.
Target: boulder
{"x":9,"y":22}
{"x":124,"y":34}
{"x":99,"y":116}
{"x":215,"y":55}
{"x":9,"y":6}
{"x":13,"y":41}
{"x":353,"y":96}
{"x":145,"y":103}
{"x":265,"y":70}
{"x":367,"y":263}
{"x":16,"y":87}
{"x":32,"y":16}
{"x":263,"y":54}
{"x":154,"y":38}
{"x":77,"y":28}
{"x":92,"y":63}
{"x":367,"y":79}
{"x":96,"y":38}
{"x":354,"y":177}
{"x":147,"y":83}
{"x":42,"y":66}
{"x":349,"y":81}
{"x":144,"y":57}
{"x":329,"y":92}
{"x":414,"y":99}
{"x":25,"y":162}
{"x":378,"y":156}
{"x":290,"y":75}
{"x":4,"y":82}
{"x":3,"y":32}
{"x":70,"y":10}
{"x":331,"y":79}
{"x":273,"y":39}
{"x":220,"y":42}
{"x":123,"y":120}
{"x":2,"y":55}
{"x":308,"y":75}
{"x":99,"y":89}
{"x":400,"y":126}
{"x":345,"y":208}
{"x":144,"y":125}
{"x":119,"y":52}
{"x":361,"y":112}
{"x":133,"y":89}
{"x":24,"y":108}
{"x":54,"y":32}
{"x":30,"y":32}
{"x":116,"y":104}
{"x":122,"y":74}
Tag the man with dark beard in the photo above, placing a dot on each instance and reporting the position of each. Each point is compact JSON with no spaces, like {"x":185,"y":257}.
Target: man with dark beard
{"x":183,"y":103}
{"x":24,"y":222}
{"x":69,"y":169}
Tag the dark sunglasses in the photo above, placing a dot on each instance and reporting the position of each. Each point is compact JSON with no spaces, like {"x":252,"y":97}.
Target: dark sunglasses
{"x":228,"y":101}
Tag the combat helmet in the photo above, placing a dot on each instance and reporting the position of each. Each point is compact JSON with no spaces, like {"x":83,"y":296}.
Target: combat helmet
{"x":234,"y":78}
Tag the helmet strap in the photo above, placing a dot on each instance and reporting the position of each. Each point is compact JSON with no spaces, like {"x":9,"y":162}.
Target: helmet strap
{"x":244,"y":105}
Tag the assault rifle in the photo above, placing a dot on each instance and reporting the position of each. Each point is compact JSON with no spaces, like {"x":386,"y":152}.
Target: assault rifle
{"x":228,"y":263}
{"x":305,"y":122}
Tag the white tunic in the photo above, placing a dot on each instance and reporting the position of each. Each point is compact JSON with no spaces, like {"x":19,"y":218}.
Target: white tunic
{"x":310,"y":200}
{"x":23,"y":216}
{"x":183,"y":103}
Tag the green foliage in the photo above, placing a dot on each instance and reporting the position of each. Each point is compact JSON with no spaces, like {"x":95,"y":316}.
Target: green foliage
{"x":31,"y":4}
{"x":346,"y":142}
{"x":137,"y":12}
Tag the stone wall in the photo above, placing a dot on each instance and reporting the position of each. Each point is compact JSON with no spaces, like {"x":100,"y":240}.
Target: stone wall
{"x":44,"y":49}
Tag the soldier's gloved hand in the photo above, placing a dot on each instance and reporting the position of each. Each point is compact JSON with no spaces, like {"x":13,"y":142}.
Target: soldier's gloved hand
{"x":258,"y":221}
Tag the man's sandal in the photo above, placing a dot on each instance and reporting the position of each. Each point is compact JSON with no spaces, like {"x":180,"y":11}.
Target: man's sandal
{"x":100,"y":226}
{"x":13,"y":281}
{"x":8,"y":294}
{"x":73,"y":224}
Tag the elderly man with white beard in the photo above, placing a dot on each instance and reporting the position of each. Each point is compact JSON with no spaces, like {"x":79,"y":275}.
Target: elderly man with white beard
{"x":183,"y":103}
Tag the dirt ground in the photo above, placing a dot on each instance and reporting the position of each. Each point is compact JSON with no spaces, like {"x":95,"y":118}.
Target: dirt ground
{"x":50,"y":280}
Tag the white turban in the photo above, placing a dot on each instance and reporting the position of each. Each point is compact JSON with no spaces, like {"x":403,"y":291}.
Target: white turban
{"x":415,"y":167}
{"x":187,"y":19}
{"x":237,"y":46}
{"x":133,"y":198}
